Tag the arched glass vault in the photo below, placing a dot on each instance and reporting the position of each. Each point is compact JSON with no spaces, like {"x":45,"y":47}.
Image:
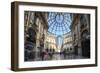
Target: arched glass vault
{"x":59,"y":23}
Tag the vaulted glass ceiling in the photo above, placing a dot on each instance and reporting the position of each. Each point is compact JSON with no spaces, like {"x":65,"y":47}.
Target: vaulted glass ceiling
{"x":59,"y":23}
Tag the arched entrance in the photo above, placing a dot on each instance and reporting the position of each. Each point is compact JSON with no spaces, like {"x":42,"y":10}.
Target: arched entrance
{"x":85,"y":43}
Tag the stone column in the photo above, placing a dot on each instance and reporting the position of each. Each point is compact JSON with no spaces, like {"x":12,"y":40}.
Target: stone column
{"x":44,"y":39}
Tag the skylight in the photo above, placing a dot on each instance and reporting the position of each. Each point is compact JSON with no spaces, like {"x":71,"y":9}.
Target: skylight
{"x":59,"y":23}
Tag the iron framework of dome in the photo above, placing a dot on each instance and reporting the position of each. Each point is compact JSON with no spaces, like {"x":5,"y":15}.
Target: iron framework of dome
{"x":59,"y":23}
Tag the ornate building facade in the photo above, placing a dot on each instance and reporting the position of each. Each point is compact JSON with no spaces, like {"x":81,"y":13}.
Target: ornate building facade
{"x":35,"y":34}
{"x":81,"y":34}
{"x":67,"y":43}
{"x":51,"y":41}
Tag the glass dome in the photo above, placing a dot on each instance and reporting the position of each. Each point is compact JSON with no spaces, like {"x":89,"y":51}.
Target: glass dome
{"x":59,"y":23}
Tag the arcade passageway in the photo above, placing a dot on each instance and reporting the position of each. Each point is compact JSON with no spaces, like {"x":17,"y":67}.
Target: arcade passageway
{"x":56,"y":36}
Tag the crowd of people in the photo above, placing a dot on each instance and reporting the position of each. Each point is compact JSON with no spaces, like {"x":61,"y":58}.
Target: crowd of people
{"x":47,"y":54}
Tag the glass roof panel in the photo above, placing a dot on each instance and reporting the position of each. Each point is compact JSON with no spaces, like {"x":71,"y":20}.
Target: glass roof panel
{"x":59,"y":23}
